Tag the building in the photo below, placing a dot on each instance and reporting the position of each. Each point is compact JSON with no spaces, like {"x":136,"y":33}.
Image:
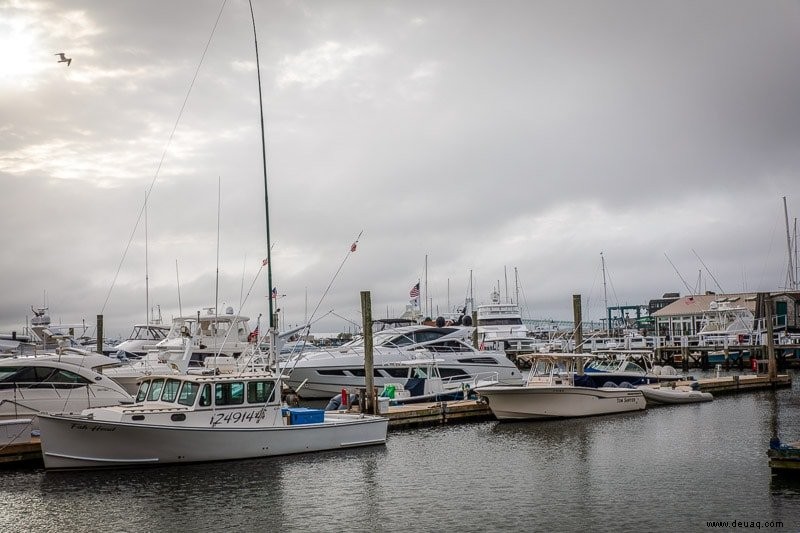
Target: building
{"x":687,"y":315}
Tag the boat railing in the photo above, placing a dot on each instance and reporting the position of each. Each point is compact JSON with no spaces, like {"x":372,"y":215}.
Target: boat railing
{"x":62,"y":389}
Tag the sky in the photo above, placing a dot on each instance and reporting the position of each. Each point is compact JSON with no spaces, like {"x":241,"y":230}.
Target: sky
{"x":472,"y":145}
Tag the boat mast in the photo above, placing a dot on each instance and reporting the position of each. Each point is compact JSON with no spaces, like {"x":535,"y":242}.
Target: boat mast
{"x":790,"y":275}
{"x":427,"y":314}
{"x":505,"y":275}
{"x":605,"y":292}
{"x":264,"y":165}
{"x":146,"y":268}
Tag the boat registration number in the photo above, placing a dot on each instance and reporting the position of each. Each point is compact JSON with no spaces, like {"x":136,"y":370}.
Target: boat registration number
{"x":237,"y":417}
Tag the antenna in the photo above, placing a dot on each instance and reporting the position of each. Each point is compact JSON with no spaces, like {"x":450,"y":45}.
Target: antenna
{"x":178,"y":279}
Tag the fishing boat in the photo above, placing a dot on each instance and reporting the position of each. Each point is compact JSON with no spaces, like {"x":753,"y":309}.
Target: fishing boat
{"x":190,"y":418}
{"x":550,"y":392}
{"x":635,"y":367}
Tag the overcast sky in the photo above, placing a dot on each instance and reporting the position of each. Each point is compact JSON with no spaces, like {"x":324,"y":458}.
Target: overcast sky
{"x":485,"y":136}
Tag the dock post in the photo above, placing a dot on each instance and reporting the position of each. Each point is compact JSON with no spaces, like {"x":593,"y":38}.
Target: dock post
{"x":99,"y":333}
{"x":369,"y":376}
{"x":772,"y":370}
{"x":576,"y":313}
{"x":475,"y":331}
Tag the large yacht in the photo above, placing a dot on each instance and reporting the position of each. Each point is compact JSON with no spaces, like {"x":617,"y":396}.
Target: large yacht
{"x":324,"y":373}
{"x":500,"y":327}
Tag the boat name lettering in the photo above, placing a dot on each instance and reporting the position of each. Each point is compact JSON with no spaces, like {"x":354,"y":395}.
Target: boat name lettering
{"x":236,"y":417}
{"x":91,"y":428}
{"x":626,"y":400}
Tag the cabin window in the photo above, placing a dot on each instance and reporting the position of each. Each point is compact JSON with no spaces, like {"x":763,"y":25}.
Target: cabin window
{"x":453,"y":373}
{"x":142,"y":391}
{"x":259,"y":391}
{"x":64,"y":379}
{"x":359,"y":372}
{"x":155,"y":390}
{"x":205,"y":396}
{"x":188,"y":393}
{"x":332,"y":372}
{"x":170,"y":390}
{"x":229,"y":393}
{"x":479,"y":360}
{"x":396,"y":372}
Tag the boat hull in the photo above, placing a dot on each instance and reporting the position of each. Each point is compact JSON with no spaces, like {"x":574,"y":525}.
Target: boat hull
{"x":81,"y":443}
{"x":535,"y":403}
{"x":669,"y":396}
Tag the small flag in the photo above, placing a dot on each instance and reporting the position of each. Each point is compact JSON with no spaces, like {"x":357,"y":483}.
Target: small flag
{"x":689,"y":300}
{"x":264,"y":263}
{"x":353,"y":247}
{"x":414,"y":293}
{"x":253,"y":337}
{"x":274,"y":292}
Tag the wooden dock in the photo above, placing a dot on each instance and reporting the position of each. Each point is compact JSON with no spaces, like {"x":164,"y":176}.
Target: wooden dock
{"x":441,"y":413}
{"x":21,"y":452}
{"x":433,"y":414}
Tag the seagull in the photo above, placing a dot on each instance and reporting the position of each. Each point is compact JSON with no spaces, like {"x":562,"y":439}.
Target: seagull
{"x":64,"y":59}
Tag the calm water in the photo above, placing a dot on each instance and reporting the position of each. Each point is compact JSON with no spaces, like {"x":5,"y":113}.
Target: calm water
{"x":665,"y":469}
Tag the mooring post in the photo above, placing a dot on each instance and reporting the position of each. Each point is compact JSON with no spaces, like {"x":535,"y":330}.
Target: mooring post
{"x":576,"y":313}
{"x":475,"y":331}
{"x":99,"y":333}
{"x":369,"y":376}
{"x":772,"y":369}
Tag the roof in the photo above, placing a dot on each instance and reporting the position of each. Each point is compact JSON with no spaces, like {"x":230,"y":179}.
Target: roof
{"x":698,"y":304}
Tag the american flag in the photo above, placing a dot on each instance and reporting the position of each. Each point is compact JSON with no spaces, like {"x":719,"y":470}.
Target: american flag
{"x":274,"y":292}
{"x":414,"y":293}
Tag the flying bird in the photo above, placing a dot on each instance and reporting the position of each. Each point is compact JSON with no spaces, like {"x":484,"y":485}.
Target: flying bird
{"x":64,"y":59}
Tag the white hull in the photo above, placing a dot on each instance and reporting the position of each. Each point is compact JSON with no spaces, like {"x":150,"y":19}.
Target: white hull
{"x":556,"y":401}
{"x":320,"y":386}
{"x":80,"y":443}
{"x":669,"y":396}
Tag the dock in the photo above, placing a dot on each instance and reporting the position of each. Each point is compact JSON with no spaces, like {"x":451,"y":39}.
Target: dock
{"x":433,"y":414}
{"x":452,"y":412}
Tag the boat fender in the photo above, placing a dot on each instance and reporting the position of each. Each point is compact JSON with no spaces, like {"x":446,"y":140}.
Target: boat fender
{"x":754,"y":364}
{"x":626,"y":385}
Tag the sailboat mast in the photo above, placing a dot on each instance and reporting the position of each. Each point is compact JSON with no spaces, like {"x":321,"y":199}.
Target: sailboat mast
{"x":264,"y":164}
{"x":146,"y":267}
{"x":791,"y":280}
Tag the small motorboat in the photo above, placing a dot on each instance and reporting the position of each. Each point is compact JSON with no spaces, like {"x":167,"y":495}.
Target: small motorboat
{"x":656,"y":395}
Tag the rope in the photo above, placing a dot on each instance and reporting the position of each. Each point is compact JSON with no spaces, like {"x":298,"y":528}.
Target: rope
{"x":163,"y":155}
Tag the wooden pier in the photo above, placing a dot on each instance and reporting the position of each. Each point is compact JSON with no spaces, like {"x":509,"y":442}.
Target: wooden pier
{"x":434,"y":414}
{"x":460,"y":411}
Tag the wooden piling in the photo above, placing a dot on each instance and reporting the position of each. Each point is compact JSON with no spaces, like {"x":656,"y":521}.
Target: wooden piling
{"x":369,"y":376}
{"x":772,"y":369}
{"x":576,"y":313}
{"x":99,"y":333}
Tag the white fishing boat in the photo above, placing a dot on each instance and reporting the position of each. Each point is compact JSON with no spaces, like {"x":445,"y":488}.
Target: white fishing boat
{"x":322,"y":374}
{"x":550,"y":392}
{"x":61,"y":383}
{"x":190,"y":418}
{"x":671,"y":394}
{"x":210,"y":340}
{"x":500,"y":327}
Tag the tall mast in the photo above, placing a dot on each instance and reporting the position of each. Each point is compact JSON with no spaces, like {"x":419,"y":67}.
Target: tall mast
{"x":505,"y":275}
{"x":427,"y":313}
{"x":791,"y":281}
{"x":146,"y":269}
{"x":264,"y":164}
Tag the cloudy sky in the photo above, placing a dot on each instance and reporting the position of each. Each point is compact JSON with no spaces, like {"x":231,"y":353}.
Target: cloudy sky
{"x":488,"y":137}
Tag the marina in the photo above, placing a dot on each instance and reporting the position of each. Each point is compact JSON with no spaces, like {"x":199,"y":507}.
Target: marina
{"x":696,"y":460}
{"x":257,"y":395}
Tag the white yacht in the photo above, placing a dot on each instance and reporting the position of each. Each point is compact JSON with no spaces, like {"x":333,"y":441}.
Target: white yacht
{"x":143,"y":338}
{"x":726,"y":321}
{"x":193,"y":418}
{"x":500,"y":327}
{"x":208,"y":341}
{"x":324,"y":373}
{"x":56,"y":383}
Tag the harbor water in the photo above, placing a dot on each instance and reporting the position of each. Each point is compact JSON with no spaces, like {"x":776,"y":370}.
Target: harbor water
{"x":675,"y":468}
